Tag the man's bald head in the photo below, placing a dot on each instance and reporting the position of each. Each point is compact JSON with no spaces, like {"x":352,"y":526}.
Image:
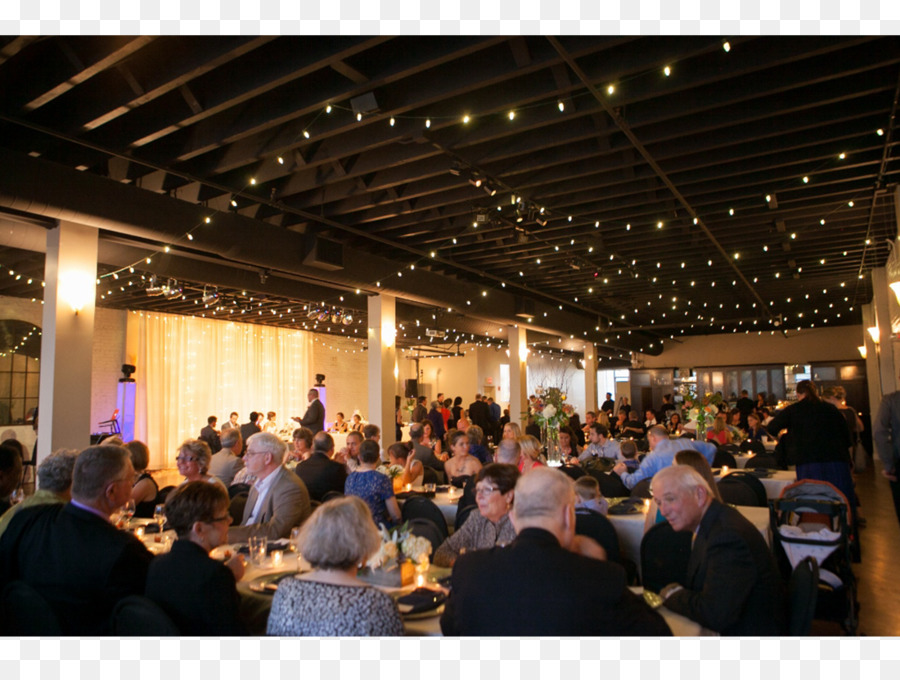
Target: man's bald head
{"x":541,"y":495}
{"x":508,"y":451}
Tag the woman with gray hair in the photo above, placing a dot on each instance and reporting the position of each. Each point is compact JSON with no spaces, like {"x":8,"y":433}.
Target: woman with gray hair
{"x":331,"y":600}
{"x":55,"y":484}
{"x":193,"y":460}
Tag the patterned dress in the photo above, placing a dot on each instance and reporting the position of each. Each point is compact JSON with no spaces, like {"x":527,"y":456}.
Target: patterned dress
{"x":374,"y":488}
{"x":308,"y":608}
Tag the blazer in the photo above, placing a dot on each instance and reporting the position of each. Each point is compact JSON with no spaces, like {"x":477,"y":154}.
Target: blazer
{"x":733,"y":585}
{"x":211,"y":437}
{"x":320,"y":474}
{"x":480,"y":415}
{"x":536,"y":587}
{"x":79,"y":562}
{"x":247,"y":431}
{"x":285,"y":507}
{"x":225,"y":465}
{"x":314,"y":418}
{"x":197,"y":592}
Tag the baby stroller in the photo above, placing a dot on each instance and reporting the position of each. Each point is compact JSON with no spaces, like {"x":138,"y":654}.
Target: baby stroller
{"x":813,"y":518}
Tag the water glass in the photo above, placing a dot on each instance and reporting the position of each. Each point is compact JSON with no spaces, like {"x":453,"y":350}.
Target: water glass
{"x":258,"y":546}
{"x":430,"y":488}
{"x":159,"y":515}
{"x":295,"y":536}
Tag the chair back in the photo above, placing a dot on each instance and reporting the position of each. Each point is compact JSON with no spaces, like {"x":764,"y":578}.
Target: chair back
{"x":743,"y":488}
{"x":136,"y":615}
{"x":419,"y":507}
{"x":236,"y":489}
{"x":462,"y":515}
{"x":425,"y":528}
{"x":803,"y":592}
{"x":723,"y":458}
{"x":763,"y":460}
{"x":331,"y":495}
{"x":164,"y":494}
{"x":573,"y":471}
{"x":598,"y":527}
{"x":432,"y":476}
{"x":237,"y":505}
{"x":641,"y":489}
{"x":611,"y":485}
{"x":753,"y":446}
{"x":24,"y":612}
{"x":664,"y":556}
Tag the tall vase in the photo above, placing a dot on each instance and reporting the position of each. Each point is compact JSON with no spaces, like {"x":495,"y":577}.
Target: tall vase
{"x":551,"y":445}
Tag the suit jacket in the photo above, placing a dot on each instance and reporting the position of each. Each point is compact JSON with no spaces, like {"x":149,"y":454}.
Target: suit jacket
{"x":247,"y":431}
{"x":321,"y":475}
{"x":512,"y":591}
{"x":418,"y":414}
{"x":197,"y":592}
{"x":225,"y":465}
{"x":314,"y":418}
{"x":426,"y":456}
{"x":480,"y":415}
{"x":284,"y":507}
{"x":79,"y":562}
{"x":211,"y":437}
{"x":733,"y":585}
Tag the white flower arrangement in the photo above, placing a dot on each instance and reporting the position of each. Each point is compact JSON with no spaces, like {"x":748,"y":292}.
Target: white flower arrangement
{"x":399,"y":542}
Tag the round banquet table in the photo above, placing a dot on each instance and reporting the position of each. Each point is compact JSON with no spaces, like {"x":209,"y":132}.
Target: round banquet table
{"x":775,"y":484}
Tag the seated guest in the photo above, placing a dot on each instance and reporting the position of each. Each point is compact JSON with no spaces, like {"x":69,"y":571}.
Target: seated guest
{"x":331,"y":600}
{"x":461,"y":464}
{"x":505,"y":591}
{"x":633,"y":426}
{"x":588,"y":499}
{"x":271,"y":424}
{"x":319,"y":473}
{"x":568,"y":446}
{"x":733,"y":585}
{"x":755,"y":430}
{"x":374,"y":488}
{"x":675,"y":426}
{"x":193,"y":461}
{"x":145,"y":489}
{"x":477,"y":449}
{"x":462,"y":423}
{"x":197,"y":592}
{"x":210,"y":435}
{"x":250,"y":428}
{"x":371,"y":432}
{"x":340,"y":426}
{"x":429,"y":438}
{"x":401,"y":454}
{"x":600,"y":444}
{"x":508,"y":452}
{"x":349,"y":455}
{"x":628,"y":454}
{"x":511,"y":431}
{"x":695,"y":460}
{"x":11,"y":471}
{"x":531,"y":454}
{"x":719,"y":433}
{"x":618,"y":427}
{"x":649,"y":419}
{"x":356,"y":424}
{"x":278,"y":500}
{"x":489,"y":525}
{"x":662,"y":452}
{"x":225,"y":465}
{"x":71,"y":554}
{"x":300,"y":448}
{"x":55,"y":482}
{"x":423,"y":453}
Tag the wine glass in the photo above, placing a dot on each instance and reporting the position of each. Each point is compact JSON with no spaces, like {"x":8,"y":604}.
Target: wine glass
{"x":159,"y":515}
{"x":128,"y":510}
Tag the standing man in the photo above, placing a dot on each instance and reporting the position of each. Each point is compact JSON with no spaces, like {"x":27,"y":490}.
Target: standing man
{"x":419,"y":413}
{"x":886,"y":434}
{"x":232,"y":422}
{"x":314,"y":418}
{"x":745,"y":406}
{"x":249,"y":428}
{"x":210,"y":435}
{"x":480,"y":414}
{"x":609,"y":405}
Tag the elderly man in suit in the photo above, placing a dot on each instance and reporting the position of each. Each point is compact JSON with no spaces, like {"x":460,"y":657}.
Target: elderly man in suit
{"x":319,"y":472}
{"x":71,"y":553}
{"x":505,"y":591}
{"x":732,"y":585}
{"x":314,"y":418}
{"x":228,"y":462}
{"x":278,"y":500}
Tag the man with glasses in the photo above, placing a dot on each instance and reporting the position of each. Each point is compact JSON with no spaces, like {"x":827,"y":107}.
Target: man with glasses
{"x":71,"y":553}
{"x":278,"y":500}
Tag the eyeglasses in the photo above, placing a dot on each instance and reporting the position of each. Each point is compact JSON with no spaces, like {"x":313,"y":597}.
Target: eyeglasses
{"x":485,"y":490}
{"x":186,"y":459}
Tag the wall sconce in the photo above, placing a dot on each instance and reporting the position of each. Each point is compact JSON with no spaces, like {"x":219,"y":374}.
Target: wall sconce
{"x":862,"y":351}
{"x":77,"y":288}
{"x":875,"y":333}
{"x":895,"y":286}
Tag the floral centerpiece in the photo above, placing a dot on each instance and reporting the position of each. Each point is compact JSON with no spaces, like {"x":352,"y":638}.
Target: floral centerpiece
{"x":550,"y":411}
{"x":701,"y":410}
{"x":394,"y":472}
{"x":397,"y":559}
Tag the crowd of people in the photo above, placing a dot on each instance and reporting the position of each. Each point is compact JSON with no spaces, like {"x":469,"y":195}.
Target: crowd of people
{"x":519,"y":534}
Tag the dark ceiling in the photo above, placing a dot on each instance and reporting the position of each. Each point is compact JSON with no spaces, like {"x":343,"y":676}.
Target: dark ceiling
{"x":620,"y":190}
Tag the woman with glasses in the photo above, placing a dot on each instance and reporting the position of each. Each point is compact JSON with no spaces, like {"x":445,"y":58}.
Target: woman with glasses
{"x":489,"y":525}
{"x":194,"y":456}
{"x":197,"y":592}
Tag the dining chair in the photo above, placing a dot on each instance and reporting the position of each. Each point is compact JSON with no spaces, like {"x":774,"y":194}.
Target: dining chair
{"x":419,"y":507}
{"x":762,"y":461}
{"x":664,"y":556}
{"x":596,"y":526}
{"x":462,"y":516}
{"x":723,"y":458}
{"x":743,"y":488}
{"x":641,"y":489}
{"x":25,"y":612}
{"x":137,"y":615}
{"x":611,"y":485}
{"x":425,"y":528}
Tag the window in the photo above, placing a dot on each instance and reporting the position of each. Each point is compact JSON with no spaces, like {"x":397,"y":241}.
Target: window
{"x":20,"y":371}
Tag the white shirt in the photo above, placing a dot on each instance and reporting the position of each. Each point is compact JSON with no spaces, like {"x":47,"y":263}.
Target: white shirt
{"x":262,"y":489}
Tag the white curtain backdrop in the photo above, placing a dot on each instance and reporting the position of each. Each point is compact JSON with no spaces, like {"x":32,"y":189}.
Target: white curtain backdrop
{"x":191,"y":368}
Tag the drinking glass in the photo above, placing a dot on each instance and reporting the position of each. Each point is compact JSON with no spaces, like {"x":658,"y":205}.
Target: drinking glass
{"x":258,"y":546}
{"x":295,"y":535}
{"x":128,"y":511}
{"x":159,"y":515}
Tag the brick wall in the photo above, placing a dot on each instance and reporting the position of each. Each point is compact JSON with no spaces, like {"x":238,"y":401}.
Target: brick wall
{"x":106,"y":362}
{"x":345,"y":366}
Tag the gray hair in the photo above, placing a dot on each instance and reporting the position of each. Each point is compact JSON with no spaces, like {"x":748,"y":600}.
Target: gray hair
{"x":230,"y":437}
{"x":416,"y":431}
{"x":683,"y":477}
{"x":266,"y":442}
{"x":200,"y":450}
{"x":55,"y":472}
{"x":543,"y":492}
{"x":339,"y":534}
{"x":96,"y":468}
{"x":508,"y":451}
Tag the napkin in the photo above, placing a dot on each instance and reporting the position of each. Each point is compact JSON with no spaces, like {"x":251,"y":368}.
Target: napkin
{"x":270,"y":546}
{"x":420,"y":600}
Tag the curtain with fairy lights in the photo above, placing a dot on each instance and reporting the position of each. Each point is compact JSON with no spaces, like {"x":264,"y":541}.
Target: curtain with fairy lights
{"x":192,"y":368}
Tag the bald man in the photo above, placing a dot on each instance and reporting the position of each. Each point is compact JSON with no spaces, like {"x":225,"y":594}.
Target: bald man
{"x":511,"y":590}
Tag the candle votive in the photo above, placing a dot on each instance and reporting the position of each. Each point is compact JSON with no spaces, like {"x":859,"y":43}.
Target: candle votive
{"x":139,"y":532}
{"x":277,"y":558}
{"x":724,"y":469}
{"x":409,"y":487}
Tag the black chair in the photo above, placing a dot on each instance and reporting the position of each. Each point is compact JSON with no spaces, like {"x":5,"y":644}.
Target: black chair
{"x":664,"y":556}
{"x":432,"y":476}
{"x":468,"y":496}
{"x":753,"y":446}
{"x":723,"y":458}
{"x":766,"y":461}
{"x":733,"y":449}
{"x":462,"y":515}
{"x":236,"y":507}
{"x":236,"y":489}
{"x":643,"y":445}
{"x":573,"y":471}
{"x":330,"y":495}
{"x":803,"y":592}
{"x":24,"y":611}
{"x":611,"y":485}
{"x":641,"y":489}
{"x":164,"y":494}
{"x":136,"y":615}
{"x":688,"y":435}
{"x":420,"y":526}
{"x":419,"y":507}
{"x":598,"y":527}
{"x":743,"y":488}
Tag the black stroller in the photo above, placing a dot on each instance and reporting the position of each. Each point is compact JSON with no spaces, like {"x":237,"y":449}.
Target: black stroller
{"x":813,"y":518}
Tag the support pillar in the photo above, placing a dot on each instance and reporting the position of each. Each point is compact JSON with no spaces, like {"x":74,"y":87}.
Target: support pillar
{"x":590,"y":379}
{"x":67,"y":339}
{"x":518,"y":375}
{"x":881,"y":294}
{"x":383,"y":370}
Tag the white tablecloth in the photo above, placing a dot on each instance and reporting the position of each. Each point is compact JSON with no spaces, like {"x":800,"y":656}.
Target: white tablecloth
{"x":777,"y":482}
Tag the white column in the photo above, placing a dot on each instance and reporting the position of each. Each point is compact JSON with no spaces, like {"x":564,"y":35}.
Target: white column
{"x":590,"y":379}
{"x":881,"y":305}
{"x":383,"y":370}
{"x":872,"y":372}
{"x":518,"y":375}
{"x":67,"y":339}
